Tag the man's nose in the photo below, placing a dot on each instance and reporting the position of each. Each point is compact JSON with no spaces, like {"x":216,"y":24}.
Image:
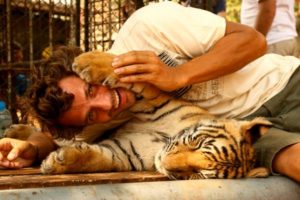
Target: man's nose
{"x":102,"y":101}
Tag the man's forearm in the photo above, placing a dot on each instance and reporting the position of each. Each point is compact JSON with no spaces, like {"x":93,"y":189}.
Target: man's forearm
{"x":266,"y":14}
{"x":240,"y":45}
{"x":43,"y":142}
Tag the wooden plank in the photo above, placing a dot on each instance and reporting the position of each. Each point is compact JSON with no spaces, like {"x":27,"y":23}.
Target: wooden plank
{"x":24,"y":171}
{"x":32,"y":178}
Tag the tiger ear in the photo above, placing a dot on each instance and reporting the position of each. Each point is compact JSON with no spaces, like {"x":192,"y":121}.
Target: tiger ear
{"x":255,"y":128}
{"x":258,"y":121}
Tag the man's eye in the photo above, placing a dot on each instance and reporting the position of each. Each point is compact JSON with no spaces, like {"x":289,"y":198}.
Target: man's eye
{"x":91,"y":116}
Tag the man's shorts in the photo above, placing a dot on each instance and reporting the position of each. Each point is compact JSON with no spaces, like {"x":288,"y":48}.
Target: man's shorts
{"x":283,"y":110}
{"x":285,"y":48}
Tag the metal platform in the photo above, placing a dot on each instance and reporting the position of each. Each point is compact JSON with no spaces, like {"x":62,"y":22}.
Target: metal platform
{"x":30,"y":184}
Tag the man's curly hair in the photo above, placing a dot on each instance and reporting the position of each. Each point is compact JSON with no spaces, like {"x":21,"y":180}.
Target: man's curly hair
{"x":45,"y":100}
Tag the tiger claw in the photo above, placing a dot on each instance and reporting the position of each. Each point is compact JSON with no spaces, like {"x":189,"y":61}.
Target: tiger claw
{"x":74,"y":65}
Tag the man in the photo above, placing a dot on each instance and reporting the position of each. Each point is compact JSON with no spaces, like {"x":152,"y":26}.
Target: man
{"x":209,"y":52}
{"x":276,"y":20}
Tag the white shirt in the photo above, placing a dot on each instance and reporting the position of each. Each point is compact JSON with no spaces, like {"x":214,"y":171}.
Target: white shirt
{"x":283,"y":25}
{"x":185,"y":33}
{"x":244,"y":91}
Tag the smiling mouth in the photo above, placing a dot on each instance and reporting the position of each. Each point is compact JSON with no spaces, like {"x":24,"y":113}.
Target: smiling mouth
{"x":116,"y":99}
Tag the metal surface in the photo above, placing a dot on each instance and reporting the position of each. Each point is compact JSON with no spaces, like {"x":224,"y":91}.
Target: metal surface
{"x":272,"y":188}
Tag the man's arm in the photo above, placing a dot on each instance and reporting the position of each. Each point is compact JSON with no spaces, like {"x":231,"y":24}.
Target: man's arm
{"x":239,"y":46}
{"x":44,"y":144}
{"x":265,"y":16}
{"x":18,"y":153}
{"x":287,"y":162}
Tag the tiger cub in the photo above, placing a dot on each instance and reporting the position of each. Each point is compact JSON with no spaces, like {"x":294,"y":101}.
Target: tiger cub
{"x":174,"y":137}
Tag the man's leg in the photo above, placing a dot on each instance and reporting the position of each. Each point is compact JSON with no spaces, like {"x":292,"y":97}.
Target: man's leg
{"x":287,"y":162}
{"x":285,"y":48}
{"x":279,"y":151}
{"x":279,"y":148}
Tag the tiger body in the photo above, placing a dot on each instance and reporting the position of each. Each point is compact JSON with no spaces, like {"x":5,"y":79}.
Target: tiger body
{"x":174,"y":137}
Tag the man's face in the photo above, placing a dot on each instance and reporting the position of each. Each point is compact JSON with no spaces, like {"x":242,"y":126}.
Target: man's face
{"x":93,"y":103}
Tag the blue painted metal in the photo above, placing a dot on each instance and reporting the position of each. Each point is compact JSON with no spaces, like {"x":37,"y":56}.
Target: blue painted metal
{"x":272,"y":188}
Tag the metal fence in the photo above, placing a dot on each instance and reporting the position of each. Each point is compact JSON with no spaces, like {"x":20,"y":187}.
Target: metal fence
{"x":31,"y":29}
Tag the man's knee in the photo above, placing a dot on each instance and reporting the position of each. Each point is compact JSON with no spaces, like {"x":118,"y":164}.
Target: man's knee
{"x":287,"y":162}
{"x":273,"y":143}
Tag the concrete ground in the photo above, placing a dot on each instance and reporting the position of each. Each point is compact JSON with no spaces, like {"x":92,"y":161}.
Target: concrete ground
{"x":272,"y":188}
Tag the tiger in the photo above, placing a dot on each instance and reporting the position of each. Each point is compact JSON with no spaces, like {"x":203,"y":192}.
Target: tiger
{"x":176,"y":138}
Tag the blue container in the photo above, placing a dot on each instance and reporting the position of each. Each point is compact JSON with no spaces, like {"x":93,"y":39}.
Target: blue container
{"x":5,"y":118}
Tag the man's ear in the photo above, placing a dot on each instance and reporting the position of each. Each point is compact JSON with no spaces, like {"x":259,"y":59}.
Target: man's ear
{"x":255,"y":128}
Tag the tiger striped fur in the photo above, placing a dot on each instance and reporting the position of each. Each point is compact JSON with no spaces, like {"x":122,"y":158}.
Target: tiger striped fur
{"x":177,"y":138}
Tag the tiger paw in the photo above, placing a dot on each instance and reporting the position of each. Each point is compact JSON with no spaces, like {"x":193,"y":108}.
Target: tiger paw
{"x":67,"y":159}
{"x":94,"y":66}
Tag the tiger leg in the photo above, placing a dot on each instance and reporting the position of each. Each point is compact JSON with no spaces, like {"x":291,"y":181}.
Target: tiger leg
{"x":183,"y":165}
{"x":93,"y":66}
{"x":96,"y":67}
{"x":81,"y":157}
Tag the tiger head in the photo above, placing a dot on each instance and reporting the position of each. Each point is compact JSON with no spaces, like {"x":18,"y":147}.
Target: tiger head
{"x":213,"y":149}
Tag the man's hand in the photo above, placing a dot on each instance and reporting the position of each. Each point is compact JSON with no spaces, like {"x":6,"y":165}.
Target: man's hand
{"x":16,"y":153}
{"x":145,"y":66}
{"x":287,"y":162}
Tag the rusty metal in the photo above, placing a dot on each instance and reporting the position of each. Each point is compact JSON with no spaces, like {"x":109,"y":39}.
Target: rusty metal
{"x":50,"y":25}
{"x":9,"y":52}
{"x":73,"y":24}
{"x":35,"y":24}
{"x":77,"y":23}
{"x":86,"y":25}
{"x":30,"y":34}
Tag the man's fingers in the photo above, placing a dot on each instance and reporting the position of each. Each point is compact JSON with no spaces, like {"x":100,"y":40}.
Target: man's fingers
{"x":4,"y":163}
{"x":3,"y":154}
{"x":18,"y":148}
{"x":13,"y":154}
{"x":5,"y":144}
{"x":135,"y":78}
{"x":133,"y":69}
{"x":13,"y":164}
{"x":12,"y":148}
{"x":134,"y":57}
